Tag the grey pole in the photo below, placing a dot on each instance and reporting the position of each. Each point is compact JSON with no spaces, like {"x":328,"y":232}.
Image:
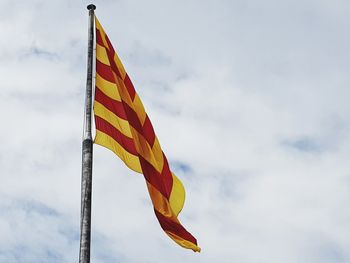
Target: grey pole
{"x":86,"y":177}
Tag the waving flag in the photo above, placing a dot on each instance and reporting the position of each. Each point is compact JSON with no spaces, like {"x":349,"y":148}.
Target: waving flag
{"x":123,"y":126}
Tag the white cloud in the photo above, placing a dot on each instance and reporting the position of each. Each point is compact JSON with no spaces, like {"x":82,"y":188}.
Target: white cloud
{"x":249,"y":100}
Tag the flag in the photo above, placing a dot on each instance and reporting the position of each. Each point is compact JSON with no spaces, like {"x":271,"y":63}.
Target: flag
{"x":123,"y":126}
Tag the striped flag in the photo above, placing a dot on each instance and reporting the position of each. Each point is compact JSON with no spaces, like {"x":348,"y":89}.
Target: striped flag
{"x":123,"y":126}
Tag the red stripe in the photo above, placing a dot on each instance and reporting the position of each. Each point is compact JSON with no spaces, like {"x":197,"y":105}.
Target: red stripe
{"x":113,"y":105}
{"x":105,"y":71}
{"x":111,"y":48}
{"x":99,"y":38}
{"x":107,"y":128}
{"x":129,"y":86}
{"x":153,"y":177}
{"x":114,"y":67}
{"x":168,"y":225}
{"x":133,"y":118}
{"x":110,"y":55}
{"x":148,"y":131}
{"x":167,"y":177}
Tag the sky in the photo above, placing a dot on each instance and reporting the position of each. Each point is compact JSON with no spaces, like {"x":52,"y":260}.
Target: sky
{"x":250,"y":102}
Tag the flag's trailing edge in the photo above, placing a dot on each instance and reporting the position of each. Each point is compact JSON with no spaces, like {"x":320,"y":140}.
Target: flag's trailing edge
{"x":123,"y":126}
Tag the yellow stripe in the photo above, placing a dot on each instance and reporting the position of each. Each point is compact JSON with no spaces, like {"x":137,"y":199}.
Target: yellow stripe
{"x":101,"y":54}
{"x":132,"y":161}
{"x":144,"y":149}
{"x":124,"y":94}
{"x":108,"y":88}
{"x":177,"y":195}
{"x":159,"y":202}
{"x":121,"y":125}
{"x":119,"y":65}
{"x":98,"y":24}
{"x":139,"y":109}
{"x":182,"y":242}
{"x":157,"y":152}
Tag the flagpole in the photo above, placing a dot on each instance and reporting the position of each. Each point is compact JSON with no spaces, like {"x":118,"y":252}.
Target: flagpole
{"x":86,"y":177}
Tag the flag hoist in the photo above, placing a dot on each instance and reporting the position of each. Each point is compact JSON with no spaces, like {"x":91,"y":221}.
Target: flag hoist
{"x":123,"y":126}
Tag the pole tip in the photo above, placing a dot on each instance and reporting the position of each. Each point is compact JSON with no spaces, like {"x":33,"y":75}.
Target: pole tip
{"x":91,"y":7}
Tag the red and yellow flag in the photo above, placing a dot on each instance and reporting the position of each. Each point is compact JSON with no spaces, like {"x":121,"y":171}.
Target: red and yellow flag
{"x":123,"y":126}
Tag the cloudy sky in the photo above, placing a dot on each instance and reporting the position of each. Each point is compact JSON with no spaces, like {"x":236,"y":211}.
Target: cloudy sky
{"x":249,"y":99}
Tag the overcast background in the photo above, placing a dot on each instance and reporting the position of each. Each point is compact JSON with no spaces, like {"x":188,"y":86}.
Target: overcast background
{"x":249,"y":99}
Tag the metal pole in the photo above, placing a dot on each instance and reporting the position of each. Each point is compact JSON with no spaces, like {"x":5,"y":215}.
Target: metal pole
{"x":86,"y":177}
